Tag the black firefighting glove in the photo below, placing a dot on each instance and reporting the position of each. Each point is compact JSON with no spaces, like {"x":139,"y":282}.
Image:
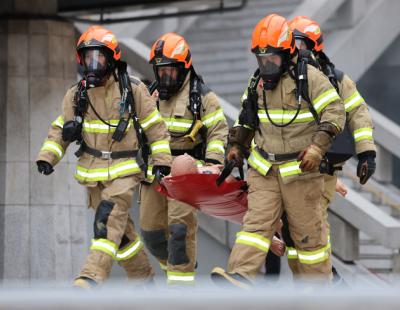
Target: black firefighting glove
{"x":44,"y":167}
{"x":235,"y":153}
{"x":161,"y":171}
{"x":366,"y":165}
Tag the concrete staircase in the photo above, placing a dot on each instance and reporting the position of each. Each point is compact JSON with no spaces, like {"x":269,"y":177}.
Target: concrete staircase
{"x":372,"y":255}
{"x":220,"y":45}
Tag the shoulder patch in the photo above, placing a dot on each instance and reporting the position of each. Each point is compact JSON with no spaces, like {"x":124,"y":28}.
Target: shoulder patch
{"x":339,"y":75}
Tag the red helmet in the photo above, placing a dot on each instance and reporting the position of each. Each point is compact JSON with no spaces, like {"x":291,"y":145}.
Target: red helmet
{"x":306,"y":28}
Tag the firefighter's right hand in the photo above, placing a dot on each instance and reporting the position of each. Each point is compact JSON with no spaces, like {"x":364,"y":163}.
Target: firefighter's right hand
{"x":310,"y":158}
{"x":235,"y":153}
{"x":44,"y":167}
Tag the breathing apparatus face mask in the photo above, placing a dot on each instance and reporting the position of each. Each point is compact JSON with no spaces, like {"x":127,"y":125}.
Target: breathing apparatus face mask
{"x":97,"y":66}
{"x":271,"y":67}
{"x":170,"y":79}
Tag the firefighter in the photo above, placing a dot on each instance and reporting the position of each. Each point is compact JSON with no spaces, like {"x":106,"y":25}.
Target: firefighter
{"x":292,"y":131}
{"x":105,"y":113}
{"x":198,"y":127}
{"x":309,"y":40}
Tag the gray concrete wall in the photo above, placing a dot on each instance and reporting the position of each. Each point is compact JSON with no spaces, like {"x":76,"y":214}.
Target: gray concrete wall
{"x":43,"y":228}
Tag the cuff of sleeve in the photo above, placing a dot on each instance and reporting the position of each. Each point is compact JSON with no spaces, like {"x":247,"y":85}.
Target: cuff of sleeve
{"x":161,"y":159}
{"x":49,"y":157}
{"x":366,"y":145}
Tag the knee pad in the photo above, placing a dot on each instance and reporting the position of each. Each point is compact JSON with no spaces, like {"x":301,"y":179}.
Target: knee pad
{"x":156,"y":243}
{"x":101,"y":218}
{"x":177,"y":244}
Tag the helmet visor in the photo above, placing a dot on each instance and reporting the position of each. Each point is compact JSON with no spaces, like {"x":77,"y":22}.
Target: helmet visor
{"x":270,"y":63}
{"x":167,"y":76}
{"x":94,"y":60}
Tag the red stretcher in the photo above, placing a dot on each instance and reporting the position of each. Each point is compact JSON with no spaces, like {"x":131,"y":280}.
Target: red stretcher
{"x":227,"y":201}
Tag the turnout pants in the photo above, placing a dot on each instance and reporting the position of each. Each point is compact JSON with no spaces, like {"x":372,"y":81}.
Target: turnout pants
{"x":269,"y":196}
{"x":326,"y":199}
{"x":115,"y":237}
{"x":169,"y":229}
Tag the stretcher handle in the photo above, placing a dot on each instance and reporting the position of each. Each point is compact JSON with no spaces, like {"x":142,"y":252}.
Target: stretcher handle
{"x":228,"y":168}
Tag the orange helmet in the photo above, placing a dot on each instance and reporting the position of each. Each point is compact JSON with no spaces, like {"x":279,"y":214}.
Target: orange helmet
{"x":170,"y":48}
{"x":98,"y":36}
{"x":272,"y":34}
{"x":305,"y":28}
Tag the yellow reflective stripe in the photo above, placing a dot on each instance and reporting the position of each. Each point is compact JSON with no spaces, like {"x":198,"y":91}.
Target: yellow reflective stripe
{"x":53,"y":147}
{"x":245,"y":94}
{"x":180,"y":277}
{"x":59,"y":122}
{"x":150,"y":176}
{"x":284,"y":116}
{"x":150,"y":120}
{"x":179,"y":124}
{"x":314,"y":257}
{"x":353,"y":101}
{"x":236,"y":124}
{"x":160,"y":147}
{"x":216,"y":146}
{"x":258,"y":162}
{"x":97,"y":126}
{"x":105,"y":174}
{"x":163,"y":267}
{"x":290,"y":168}
{"x":130,"y":250}
{"x":105,"y":246}
{"x":324,"y":99}
{"x":363,"y":134}
{"x":200,"y":163}
{"x":212,"y":118}
{"x":254,"y":240}
{"x":291,"y":252}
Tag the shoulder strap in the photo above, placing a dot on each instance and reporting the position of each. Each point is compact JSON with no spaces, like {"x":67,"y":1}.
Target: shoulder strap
{"x":339,"y":75}
{"x":152,"y":87}
{"x":255,"y":79}
{"x":81,"y":100}
{"x":301,"y":76}
{"x":127,"y":100}
{"x":195,"y":94}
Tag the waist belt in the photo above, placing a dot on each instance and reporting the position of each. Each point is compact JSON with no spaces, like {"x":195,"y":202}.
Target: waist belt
{"x":105,"y":155}
{"x":277,"y":157}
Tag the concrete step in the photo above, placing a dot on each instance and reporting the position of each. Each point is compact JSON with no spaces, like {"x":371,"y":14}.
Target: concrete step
{"x":224,"y":45}
{"x":219,"y":35}
{"x":377,"y":264}
{"x":223,"y":89}
{"x":377,"y":250}
{"x":222,"y":77}
{"x":220,"y":56}
{"x":206,"y":68}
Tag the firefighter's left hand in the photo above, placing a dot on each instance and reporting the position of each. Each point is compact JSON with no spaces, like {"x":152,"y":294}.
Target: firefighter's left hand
{"x":341,"y":188}
{"x":310,"y":158}
{"x":278,"y":247}
{"x":366,"y":165}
